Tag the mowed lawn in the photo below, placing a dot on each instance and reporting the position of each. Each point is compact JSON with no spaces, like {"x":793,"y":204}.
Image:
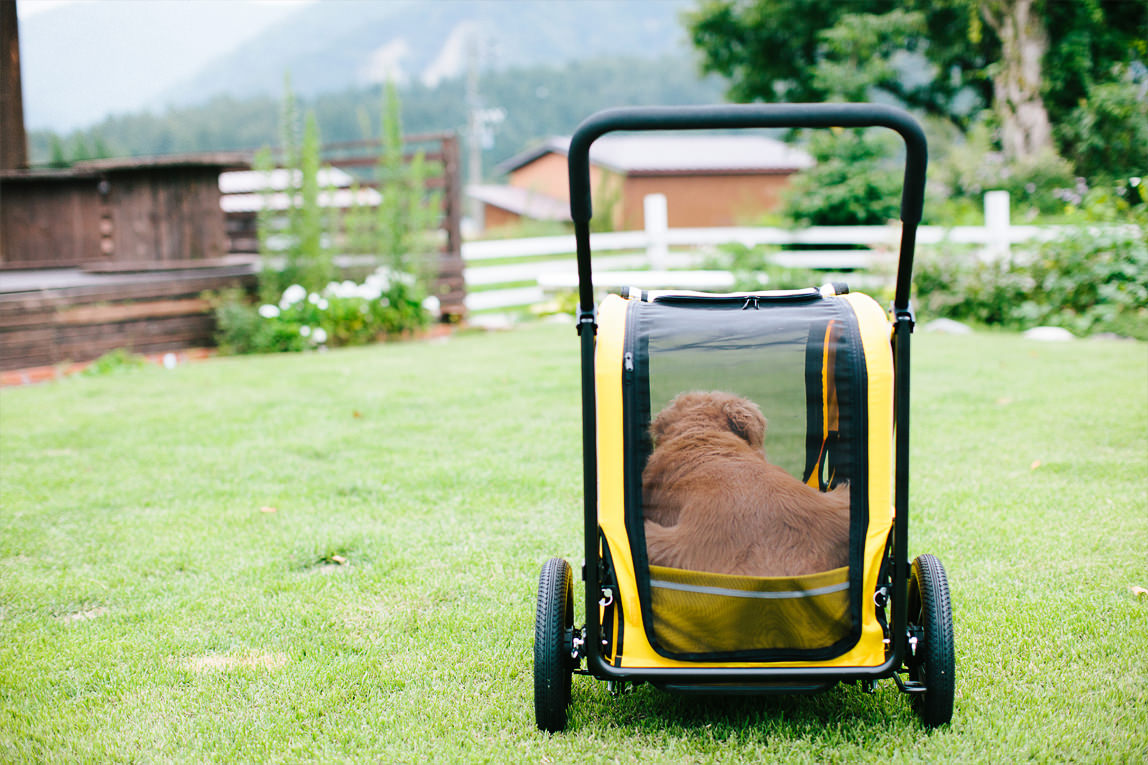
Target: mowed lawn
{"x":334,"y":557}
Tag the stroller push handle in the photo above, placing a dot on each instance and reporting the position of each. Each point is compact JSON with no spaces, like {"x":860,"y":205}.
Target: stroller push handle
{"x":731,"y":116}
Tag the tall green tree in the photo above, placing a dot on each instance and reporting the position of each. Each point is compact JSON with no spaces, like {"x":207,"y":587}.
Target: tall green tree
{"x":1032,"y":61}
{"x":407,"y":210}
{"x":317,"y":264}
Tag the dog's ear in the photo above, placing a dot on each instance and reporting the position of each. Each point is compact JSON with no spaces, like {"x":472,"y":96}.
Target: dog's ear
{"x":746,"y":420}
{"x":671,"y":414}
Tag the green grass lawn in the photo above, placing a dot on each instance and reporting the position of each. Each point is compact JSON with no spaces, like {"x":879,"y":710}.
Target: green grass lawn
{"x":333,"y":556}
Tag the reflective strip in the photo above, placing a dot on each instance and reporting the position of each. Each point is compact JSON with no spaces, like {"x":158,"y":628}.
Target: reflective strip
{"x":749,"y":593}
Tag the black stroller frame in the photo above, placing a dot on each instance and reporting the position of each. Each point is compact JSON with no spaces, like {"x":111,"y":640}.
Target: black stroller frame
{"x":904,"y":641}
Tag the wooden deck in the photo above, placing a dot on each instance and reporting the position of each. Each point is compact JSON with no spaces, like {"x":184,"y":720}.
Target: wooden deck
{"x":55,"y":316}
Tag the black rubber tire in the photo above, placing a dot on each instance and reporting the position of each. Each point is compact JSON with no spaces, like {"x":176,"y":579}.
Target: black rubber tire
{"x":554,"y":619}
{"x":935,"y":663}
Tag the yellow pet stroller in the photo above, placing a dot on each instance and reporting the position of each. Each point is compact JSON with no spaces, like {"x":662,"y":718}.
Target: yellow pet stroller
{"x":830,"y":371}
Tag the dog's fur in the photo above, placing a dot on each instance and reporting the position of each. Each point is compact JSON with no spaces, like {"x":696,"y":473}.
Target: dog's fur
{"x":712,"y":502}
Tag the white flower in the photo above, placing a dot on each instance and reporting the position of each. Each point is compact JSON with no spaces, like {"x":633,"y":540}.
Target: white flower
{"x":322,"y":305}
{"x":319,"y":336}
{"x":292,"y":295}
{"x":313,"y":299}
{"x":368,"y":292}
{"x":432,"y":305}
{"x":378,"y":281}
{"x":305,"y":331}
{"x":268,"y":311}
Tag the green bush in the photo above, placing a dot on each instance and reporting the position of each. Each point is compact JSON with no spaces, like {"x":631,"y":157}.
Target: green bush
{"x":1093,"y":279}
{"x":969,"y":166}
{"x":1107,"y":133}
{"x":854,"y":183}
{"x":345,"y":313}
{"x":115,"y":361}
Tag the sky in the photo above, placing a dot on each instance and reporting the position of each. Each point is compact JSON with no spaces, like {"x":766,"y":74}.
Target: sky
{"x":29,"y":8}
{"x":82,"y":60}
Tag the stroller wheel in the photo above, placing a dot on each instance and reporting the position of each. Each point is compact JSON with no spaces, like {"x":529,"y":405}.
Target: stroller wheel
{"x":931,"y":621}
{"x":553,"y":636}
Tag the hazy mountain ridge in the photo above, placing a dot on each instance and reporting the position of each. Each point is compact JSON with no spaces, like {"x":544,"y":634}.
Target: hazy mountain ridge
{"x":330,"y":46}
{"x":537,"y":101}
{"x":86,"y":60}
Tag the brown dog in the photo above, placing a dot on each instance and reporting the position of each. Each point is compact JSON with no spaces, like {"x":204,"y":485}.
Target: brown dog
{"x":712,"y":502}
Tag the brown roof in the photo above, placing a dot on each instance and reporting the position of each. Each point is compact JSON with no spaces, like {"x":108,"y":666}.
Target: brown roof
{"x":224,"y":159}
{"x":232,"y":160}
{"x":523,"y":202}
{"x":677,"y":153}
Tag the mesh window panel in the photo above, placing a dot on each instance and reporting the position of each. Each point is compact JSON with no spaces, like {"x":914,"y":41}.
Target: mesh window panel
{"x":745,"y":475}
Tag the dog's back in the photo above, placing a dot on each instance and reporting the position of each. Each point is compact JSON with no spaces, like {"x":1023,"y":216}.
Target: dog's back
{"x":712,"y":502}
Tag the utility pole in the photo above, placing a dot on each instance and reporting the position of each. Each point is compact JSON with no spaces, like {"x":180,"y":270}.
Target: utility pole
{"x":473,"y":129}
{"x":479,"y":121}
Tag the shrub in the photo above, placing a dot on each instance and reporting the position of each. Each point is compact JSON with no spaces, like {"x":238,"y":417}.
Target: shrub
{"x":115,"y":361}
{"x":969,"y":166}
{"x":1093,"y":279}
{"x":295,"y":311}
{"x":1107,"y":133}
{"x":854,"y":183}
{"x":383,"y":307}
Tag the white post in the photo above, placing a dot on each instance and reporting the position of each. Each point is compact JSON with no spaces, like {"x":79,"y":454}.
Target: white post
{"x":997,"y":224}
{"x":656,"y":214}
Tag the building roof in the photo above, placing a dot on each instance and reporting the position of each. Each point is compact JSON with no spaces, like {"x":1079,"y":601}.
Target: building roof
{"x":93,"y":168}
{"x":524,"y":202}
{"x":673,"y":153}
{"x":221,"y":159}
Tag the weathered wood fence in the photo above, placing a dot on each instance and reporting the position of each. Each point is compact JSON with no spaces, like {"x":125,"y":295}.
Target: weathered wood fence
{"x":116,"y":254}
{"x":361,"y":159}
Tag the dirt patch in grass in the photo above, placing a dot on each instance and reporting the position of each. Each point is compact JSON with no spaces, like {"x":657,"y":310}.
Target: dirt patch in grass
{"x":212,"y":662}
{"x":83,"y":615}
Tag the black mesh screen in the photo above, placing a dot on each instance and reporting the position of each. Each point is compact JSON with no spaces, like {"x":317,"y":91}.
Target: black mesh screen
{"x":745,"y":480}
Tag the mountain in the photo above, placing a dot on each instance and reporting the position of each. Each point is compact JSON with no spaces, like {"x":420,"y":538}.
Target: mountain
{"x":535,"y":102}
{"x":330,"y":46}
{"x":85,"y":60}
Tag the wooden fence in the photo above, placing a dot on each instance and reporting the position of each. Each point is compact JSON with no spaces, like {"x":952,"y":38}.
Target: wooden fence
{"x":73,"y":315}
{"x":361,"y":158}
{"x":97,"y":269}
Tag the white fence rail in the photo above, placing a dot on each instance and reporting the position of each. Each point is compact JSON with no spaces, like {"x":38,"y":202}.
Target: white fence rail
{"x":541,"y":265}
{"x":536,"y":259}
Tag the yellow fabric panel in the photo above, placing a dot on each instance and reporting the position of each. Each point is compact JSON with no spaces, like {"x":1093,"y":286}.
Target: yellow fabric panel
{"x":611,"y":463}
{"x":636,"y":651}
{"x":700,"y":612}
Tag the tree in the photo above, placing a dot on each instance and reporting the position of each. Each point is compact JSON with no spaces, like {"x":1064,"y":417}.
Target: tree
{"x":852,"y":184}
{"x":1018,"y":76}
{"x":406,"y":210}
{"x":318,"y":266}
{"x":1033,"y":61}
{"x":1108,"y":131}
